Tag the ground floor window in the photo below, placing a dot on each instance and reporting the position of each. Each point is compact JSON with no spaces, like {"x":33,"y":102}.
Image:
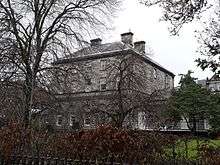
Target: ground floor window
{"x":59,"y":120}
{"x":73,"y":122}
{"x":87,"y":120}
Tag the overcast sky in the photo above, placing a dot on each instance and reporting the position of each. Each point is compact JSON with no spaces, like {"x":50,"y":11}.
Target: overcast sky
{"x":175,"y":53}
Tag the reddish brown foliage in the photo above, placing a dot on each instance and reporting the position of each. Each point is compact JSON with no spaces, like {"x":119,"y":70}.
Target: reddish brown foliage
{"x":13,"y":138}
{"x":105,"y":142}
{"x":101,"y":143}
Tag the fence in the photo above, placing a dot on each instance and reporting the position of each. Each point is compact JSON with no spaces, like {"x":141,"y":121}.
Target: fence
{"x":23,"y":160}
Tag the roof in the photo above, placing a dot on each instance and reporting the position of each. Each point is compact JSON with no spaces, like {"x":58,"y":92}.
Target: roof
{"x":114,"y":46}
{"x":215,"y":77}
{"x":108,"y":50}
{"x":202,"y":82}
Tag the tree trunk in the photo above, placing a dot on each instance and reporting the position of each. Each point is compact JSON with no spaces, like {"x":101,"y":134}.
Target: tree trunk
{"x":194,"y":126}
{"x":186,"y":147}
{"x":120,"y":119}
{"x":28,"y":92}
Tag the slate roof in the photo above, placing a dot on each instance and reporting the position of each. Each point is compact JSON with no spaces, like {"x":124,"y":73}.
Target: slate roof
{"x":108,"y":50}
{"x":115,"y":46}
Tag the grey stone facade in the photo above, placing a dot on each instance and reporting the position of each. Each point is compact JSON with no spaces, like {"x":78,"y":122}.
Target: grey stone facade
{"x":212,"y":84}
{"x":92,"y":77}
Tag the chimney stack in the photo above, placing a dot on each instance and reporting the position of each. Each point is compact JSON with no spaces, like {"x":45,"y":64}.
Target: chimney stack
{"x":127,"y":38}
{"x":140,"y":46}
{"x":96,"y":42}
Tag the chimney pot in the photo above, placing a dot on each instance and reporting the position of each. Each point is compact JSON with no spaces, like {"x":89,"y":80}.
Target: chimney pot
{"x":96,"y":42}
{"x":140,"y":46}
{"x":127,"y":38}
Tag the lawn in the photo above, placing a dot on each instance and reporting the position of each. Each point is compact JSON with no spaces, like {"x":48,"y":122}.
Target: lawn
{"x":190,"y":149}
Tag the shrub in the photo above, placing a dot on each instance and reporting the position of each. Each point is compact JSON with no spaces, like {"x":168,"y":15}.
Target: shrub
{"x":103,"y":143}
{"x":210,"y":154}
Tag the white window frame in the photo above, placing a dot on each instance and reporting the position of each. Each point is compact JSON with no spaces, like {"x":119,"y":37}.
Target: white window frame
{"x":70,"y":119}
{"x":57,"y":120}
{"x":141,"y":120}
{"x":218,"y":87}
{"x":85,"y":118}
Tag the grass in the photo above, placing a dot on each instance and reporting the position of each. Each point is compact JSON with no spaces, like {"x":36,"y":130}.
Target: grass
{"x":192,"y":145}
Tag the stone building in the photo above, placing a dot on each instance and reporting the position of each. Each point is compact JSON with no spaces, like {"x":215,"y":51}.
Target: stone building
{"x":110,"y":82}
{"x":213,"y":83}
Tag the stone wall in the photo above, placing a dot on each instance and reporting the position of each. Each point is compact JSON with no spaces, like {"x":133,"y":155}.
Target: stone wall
{"x":83,"y":84}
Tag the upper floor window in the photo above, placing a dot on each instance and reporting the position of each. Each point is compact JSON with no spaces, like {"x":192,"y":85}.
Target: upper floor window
{"x":103,"y":64}
{"x":155,"y":73}
{"x":88,"y":81}
{"x":103,"y":85}
{"x":88,"y":68}
{"x":167,"y":83}
{"x":59,"y":120}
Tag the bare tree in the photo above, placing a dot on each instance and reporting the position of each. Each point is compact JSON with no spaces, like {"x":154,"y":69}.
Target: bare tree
{"x":178,"y":12}
{"x":33,"y":33}
{"x":129,"y":93}
{"x":209,"y":39}
{"x":181,"y":12}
